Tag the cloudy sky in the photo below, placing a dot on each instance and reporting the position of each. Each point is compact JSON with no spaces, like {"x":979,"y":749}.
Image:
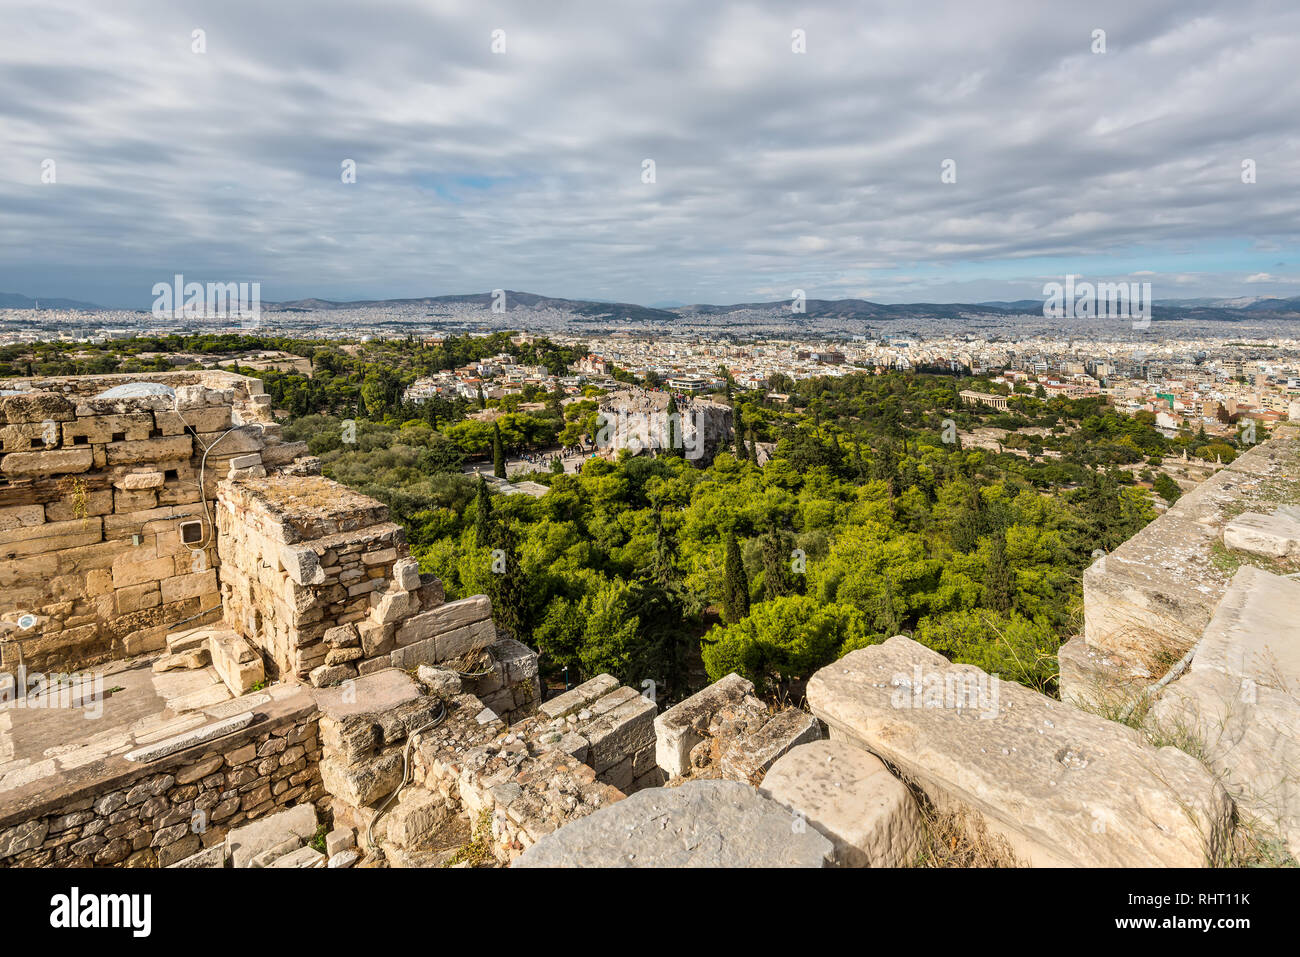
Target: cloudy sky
{"x":773,"y":170}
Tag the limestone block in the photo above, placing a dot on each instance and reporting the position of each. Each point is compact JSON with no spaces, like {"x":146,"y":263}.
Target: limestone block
{"x":575,"y":699}
{"x":302,"y":565}
{"x":184,"y":661}
{"x":283,"y":453}
{"x":848,"y":795}
{"x":236,"y":661}
{"x":463,"y":641}
{"x":240,"y":441}
{"x":35,"y":436}
{"x":1065,"y":787}
{"x":149,"y":450}
{"x":325,"y":675}
{"x":1240,"y":701}
{"x":445,"y":618}
{"x":303,"y":857}
{"x":214,"y":856}
{"x":365,"y":782}
{"x":439,"y":681}
{"x":102,"y":429}
{"x":749,"y":756}
{"x":211,"y":419}
{"x":391,"y":606}
{"x":247,"y":842}
{"x":342,"y":636}
{"x":376,"y":639}
{"x":1255,"y":632}
{"x":619,"y":733}
{"x":406,"y":572}
{"x":339,"y":840}
{"x":201,"y":396}
{"x":19,"y":516}
{"x":1098,"y":681}
{"x":135,"y":481}
{"x":409,"y":657}
{"x":678,"y":729}
{"x":1275,"y":536}
{"x":415,"y":819}
{"x":57,"y":462}
{"x":700,"y":824}
{"x":35,"y":407}
{"x":180,"y":587}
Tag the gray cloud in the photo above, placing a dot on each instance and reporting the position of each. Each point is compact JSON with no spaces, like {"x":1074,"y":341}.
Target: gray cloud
{"x":774,"y":170}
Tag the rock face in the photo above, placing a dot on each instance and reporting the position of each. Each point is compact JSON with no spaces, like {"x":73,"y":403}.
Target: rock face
{"x":699,"y":824}
{"x":1066,"y":788}
{"x":847,"y":794}
{"x":1240,"y":700}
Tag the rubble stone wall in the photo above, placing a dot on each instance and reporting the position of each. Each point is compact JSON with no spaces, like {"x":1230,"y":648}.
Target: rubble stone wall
{"x":93,"y":496}
{"x":158,"y":813}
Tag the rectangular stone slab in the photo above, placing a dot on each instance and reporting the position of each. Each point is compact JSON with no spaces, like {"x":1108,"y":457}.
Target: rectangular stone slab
{"x":1065,"y":787}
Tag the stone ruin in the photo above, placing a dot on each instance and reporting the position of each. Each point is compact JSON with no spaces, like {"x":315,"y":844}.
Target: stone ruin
{"x":302,"y":696}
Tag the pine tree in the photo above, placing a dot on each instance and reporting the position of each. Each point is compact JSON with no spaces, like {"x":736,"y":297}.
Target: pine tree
{"x":735,"y":586}
{"x":498,"y":453}
{"x":753,"y":447}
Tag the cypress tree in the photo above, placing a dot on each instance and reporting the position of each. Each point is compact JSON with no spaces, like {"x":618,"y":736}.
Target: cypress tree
{"x":778,"y":579}
{"x":482,"y":515}
{"x":997,"y":573}
{"x":498,"y":453}
{"x":735,"y":586}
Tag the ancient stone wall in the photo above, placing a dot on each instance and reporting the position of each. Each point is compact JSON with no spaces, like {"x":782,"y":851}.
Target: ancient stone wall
{"x":318,"y":579}
{"x":105,"y":540}
{"x":158,"y":812}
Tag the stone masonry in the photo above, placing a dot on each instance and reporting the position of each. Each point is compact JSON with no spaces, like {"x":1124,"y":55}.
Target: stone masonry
{"x":106,"y":540}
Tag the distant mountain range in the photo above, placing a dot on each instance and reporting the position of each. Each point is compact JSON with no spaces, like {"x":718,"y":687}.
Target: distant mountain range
{"x":1226,"y":310}
{"x":11,"y":300}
